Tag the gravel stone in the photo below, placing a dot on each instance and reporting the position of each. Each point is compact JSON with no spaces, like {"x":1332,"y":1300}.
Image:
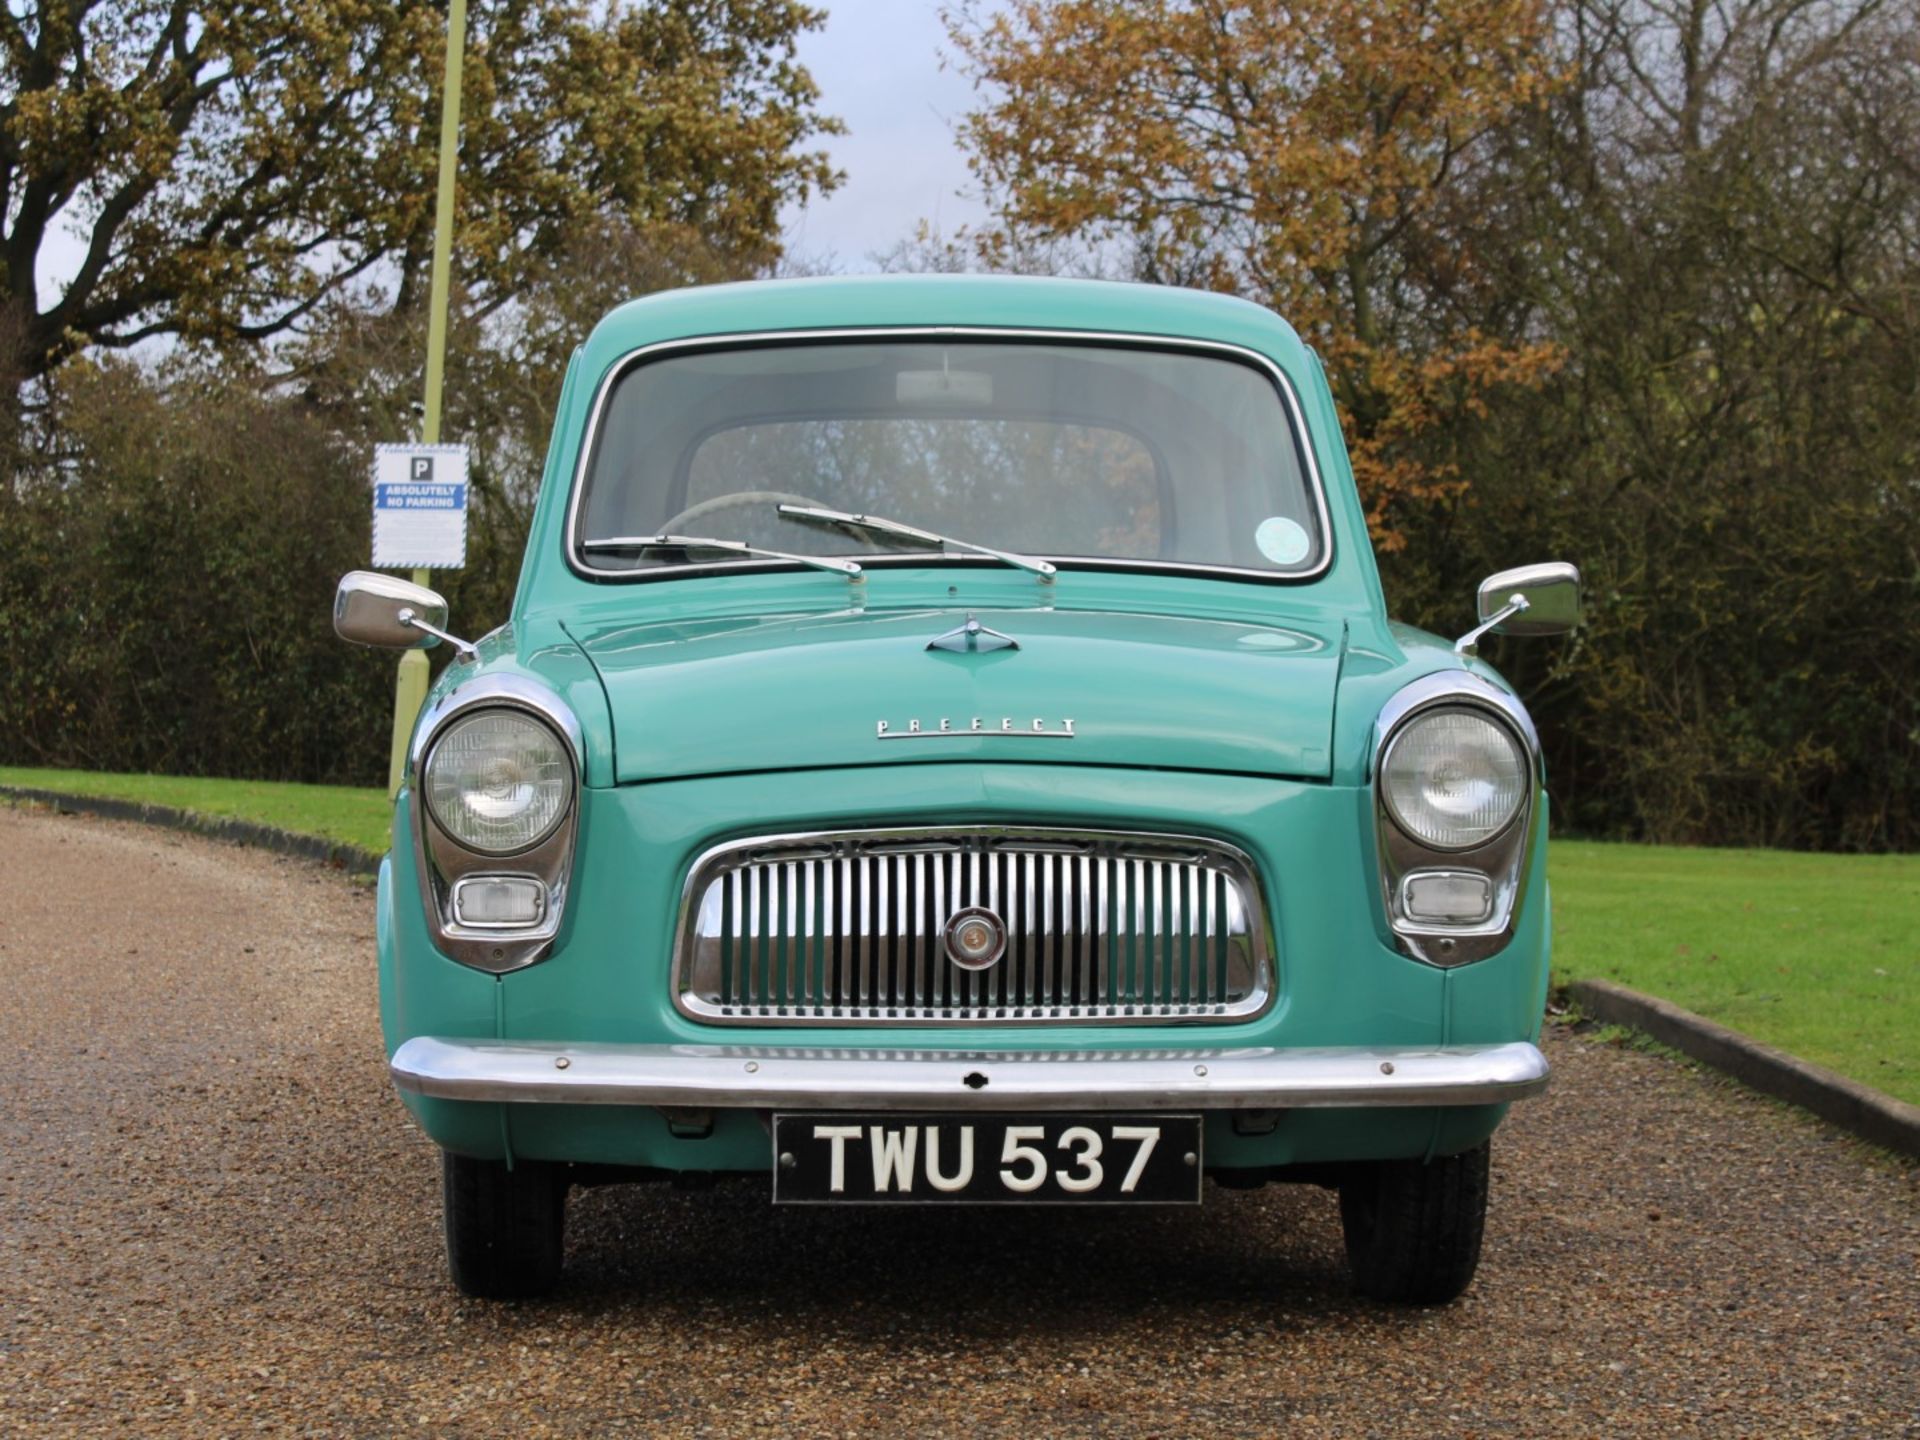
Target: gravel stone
{"x":215,"y":1219}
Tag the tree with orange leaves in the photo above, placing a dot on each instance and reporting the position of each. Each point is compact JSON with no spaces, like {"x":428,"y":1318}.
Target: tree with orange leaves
{"x":1319,"y":157}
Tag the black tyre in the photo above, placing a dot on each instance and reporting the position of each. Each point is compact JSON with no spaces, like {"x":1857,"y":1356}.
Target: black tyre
{"x":504,"y":1227}
{"x":1413,"y":1226}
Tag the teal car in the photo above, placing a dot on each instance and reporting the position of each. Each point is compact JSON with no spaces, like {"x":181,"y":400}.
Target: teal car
{"x":949,"y":747}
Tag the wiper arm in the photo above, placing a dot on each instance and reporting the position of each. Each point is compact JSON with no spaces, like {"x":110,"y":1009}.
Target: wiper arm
{"x":644,"y":543}
{"x":819,"y":516}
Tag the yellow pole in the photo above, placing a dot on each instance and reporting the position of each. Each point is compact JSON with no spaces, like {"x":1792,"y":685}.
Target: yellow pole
{"x":410,"y":688}
{"x":409,"y":694}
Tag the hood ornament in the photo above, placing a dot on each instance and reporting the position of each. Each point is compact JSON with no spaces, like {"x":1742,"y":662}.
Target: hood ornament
{"x":972,"y":638}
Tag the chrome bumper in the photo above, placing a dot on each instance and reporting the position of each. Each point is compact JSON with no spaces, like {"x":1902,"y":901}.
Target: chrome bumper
{"x":771,"y":1078}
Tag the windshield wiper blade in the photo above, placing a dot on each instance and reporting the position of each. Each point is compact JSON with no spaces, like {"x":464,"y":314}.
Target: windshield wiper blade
{"x":644,"y":543}
{"x":821,"y":516}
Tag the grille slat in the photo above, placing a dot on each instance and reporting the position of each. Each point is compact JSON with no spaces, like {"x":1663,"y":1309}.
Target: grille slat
{"x":1103,"y":927}
{"x":1101,"y":960}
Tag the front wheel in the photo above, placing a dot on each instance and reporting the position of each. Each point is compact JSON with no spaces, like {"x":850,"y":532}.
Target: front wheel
{"x":1413,"y":1226}
{"x":504,"y":1226}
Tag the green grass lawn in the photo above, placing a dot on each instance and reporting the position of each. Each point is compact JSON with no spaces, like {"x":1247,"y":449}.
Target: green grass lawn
{"x":338,"y":812}
{"x":1817,"y":954}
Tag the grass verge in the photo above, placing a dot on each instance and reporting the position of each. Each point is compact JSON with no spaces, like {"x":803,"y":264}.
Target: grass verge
{"x":341,"y":813}
{"x":1813,"y":953}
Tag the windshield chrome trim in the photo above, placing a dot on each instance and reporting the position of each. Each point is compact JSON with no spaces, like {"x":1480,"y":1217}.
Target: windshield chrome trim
{"x":1296,"y":413}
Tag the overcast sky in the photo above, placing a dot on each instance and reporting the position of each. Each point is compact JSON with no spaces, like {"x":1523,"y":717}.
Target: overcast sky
{"x":877,"y":63}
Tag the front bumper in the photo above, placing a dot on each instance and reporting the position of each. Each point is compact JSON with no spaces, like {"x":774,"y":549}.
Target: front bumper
{"x":770,"y":1078}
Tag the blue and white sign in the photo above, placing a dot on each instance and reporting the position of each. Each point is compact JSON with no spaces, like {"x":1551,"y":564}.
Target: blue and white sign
{"x":419,"y":507}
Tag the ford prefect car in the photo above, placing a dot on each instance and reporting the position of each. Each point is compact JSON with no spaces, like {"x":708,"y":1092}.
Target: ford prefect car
{"x":949,"y":747}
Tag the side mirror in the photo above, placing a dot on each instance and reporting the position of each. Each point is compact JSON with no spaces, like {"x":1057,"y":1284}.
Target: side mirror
{"x":1527,"y":600}
{"x":374,"y":609}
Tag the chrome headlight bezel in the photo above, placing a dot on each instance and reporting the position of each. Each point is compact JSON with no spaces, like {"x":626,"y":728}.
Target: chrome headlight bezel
{"x":439,"y":758}
{"x":1501,"y":856}
{"x":1479,"y":836}
{"x":443,"y":861}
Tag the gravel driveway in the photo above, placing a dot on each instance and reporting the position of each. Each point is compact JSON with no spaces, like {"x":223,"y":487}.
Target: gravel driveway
{"x":215,"y":1219}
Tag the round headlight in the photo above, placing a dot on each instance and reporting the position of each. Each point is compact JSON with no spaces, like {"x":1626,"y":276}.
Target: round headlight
{"x":1454,"y":778}
{"x":499,"y":781}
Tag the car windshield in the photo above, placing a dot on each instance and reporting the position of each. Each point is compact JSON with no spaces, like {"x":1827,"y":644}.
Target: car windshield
{"x":1080,"y":454}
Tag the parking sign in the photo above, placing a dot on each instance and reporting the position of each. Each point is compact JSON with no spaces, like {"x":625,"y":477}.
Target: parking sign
{"x":419,"y":507}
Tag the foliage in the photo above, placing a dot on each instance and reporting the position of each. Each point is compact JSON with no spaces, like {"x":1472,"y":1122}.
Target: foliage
{"x":165,"y":588}
{"x":1724,"y":234}
{"x":1692,"y":230}
{"x":1628,"y":283}
{"x":504,"y":372}
{"x":1305,"y":155}
{"x":235,"y":165}
{"x":170,"y":558}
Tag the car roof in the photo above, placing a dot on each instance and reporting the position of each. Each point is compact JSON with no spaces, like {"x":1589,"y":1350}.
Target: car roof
{"x":853,"y":302}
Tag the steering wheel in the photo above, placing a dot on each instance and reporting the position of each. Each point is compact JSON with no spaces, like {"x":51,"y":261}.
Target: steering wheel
{"x":739,"y":497}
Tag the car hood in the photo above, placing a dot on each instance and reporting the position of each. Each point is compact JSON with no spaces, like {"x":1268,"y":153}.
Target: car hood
{"x":784,"y":692}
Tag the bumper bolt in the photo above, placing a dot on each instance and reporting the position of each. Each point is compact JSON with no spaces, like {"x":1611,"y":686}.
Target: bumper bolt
{"x":787,"y":1162}
{"x":561,"y":1062}
{"x":1200,"y":1070}
{"x":753,"y":1067}
{"x":1386,"y":1067}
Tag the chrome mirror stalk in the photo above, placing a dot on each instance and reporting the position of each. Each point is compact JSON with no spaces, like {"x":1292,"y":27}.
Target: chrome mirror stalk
{"x":1469,"y":643}
{"x":464,"y":647}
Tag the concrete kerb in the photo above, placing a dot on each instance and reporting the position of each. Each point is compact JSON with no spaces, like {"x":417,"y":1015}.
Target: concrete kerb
{"x":1858,"y":1109}
{"x":239,"y":832}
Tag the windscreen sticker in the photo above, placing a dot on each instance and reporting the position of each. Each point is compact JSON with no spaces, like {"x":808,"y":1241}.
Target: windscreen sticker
{"x":1283,"y":541}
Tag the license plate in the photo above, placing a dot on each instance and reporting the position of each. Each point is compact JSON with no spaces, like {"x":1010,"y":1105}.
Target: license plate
{"x":986,"y":1159}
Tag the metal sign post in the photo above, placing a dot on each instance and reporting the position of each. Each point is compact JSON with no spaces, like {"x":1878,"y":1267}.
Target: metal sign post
{"x":410,"y":689}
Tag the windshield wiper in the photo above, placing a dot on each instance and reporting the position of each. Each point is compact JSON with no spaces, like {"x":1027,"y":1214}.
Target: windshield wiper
{"x":819,"y":516}
{"x":644,"y":543}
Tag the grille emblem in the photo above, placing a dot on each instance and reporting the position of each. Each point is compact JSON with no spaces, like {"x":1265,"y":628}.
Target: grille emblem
{"x":975,"y":938}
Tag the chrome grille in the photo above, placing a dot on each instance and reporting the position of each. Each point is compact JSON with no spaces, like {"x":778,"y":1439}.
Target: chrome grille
{"x":846,"y":929}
